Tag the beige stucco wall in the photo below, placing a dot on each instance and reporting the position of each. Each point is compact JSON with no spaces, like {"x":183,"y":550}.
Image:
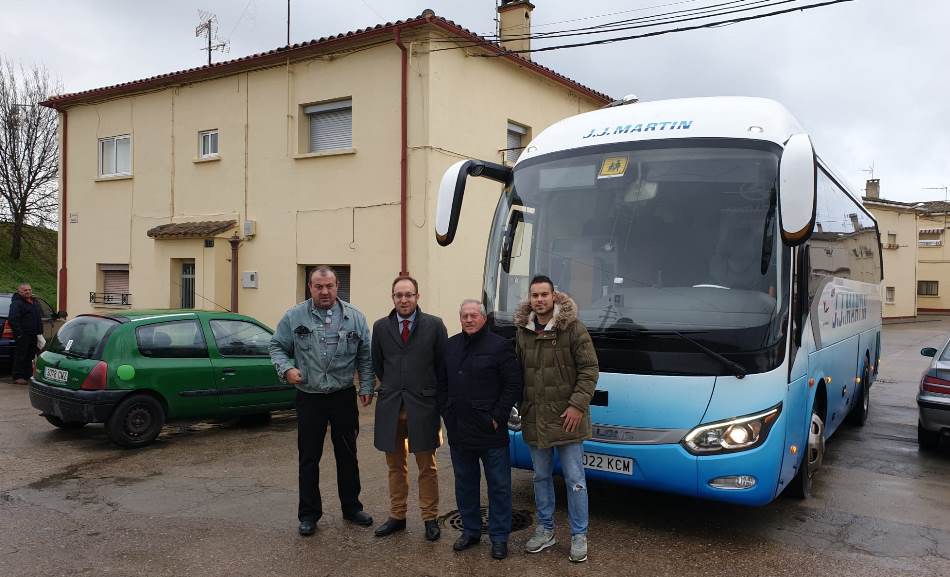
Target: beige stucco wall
{"x":900,"y":261}
{"x":333,"y":209}
{"x":934,"y":263}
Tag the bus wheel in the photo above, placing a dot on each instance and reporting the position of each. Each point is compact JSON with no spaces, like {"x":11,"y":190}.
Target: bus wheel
{"x":811,"y":460}
{"x":859,"y":413}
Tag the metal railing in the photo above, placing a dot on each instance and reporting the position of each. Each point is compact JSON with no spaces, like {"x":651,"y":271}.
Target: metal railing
{"x":928,"y":243}
{"x":117,"y":299}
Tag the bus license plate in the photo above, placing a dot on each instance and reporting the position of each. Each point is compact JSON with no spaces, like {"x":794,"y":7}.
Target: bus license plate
{"x":56,"y":374}
{"x":609,"y":463}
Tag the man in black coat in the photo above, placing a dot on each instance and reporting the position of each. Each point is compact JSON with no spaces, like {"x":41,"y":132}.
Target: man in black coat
{"x":26,"y":321}
{"x":482,"y":383}
{"x":407,"y":357}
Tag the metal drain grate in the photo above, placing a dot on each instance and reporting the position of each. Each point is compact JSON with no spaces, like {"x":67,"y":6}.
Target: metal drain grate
{"x":519,"y":520}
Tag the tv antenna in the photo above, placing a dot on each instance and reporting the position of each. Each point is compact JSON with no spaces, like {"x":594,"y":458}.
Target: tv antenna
{"x":208,"y":28}
{"x":869,"y":170}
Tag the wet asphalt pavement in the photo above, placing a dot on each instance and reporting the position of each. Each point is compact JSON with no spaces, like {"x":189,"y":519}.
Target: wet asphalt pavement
{"x":216,"y":499}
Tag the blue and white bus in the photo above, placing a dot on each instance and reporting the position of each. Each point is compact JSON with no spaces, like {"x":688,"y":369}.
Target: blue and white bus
{"x":730,"y":282}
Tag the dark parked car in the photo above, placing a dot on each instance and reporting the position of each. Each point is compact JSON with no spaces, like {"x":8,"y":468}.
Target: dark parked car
{"x":135,"y":370}
{"x":51,"y":323}
{"x":933,"y":398}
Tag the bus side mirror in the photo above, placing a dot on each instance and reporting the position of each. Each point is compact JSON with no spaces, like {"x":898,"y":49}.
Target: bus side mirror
{"x":798,"y":174}
{"x":452,"y":189}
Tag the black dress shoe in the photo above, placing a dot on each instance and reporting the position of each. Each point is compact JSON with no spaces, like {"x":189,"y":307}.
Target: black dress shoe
{"x":499,"y":549}
{"x":432,"y":530}
{"x":390,"y":526}
{"x":466,"y":541}
{"x":307,"y":528}
{"x":360,"y":518}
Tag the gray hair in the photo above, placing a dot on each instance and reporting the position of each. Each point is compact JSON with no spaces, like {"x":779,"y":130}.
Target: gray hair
{"x":481,"y":307}
{"x":322,"y":270}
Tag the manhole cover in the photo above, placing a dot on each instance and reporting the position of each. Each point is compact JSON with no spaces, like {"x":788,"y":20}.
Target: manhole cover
{"x":519,"y":520}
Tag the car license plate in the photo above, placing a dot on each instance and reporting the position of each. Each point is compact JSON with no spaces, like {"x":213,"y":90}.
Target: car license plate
{"x":56,"y":374}
{"x":609,"y":463}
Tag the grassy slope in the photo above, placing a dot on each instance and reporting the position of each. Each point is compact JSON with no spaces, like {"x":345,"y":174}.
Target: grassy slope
{"x":37,"y":264}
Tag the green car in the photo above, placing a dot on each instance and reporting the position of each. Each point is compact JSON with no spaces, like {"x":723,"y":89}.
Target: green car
{"x":135,"y":370}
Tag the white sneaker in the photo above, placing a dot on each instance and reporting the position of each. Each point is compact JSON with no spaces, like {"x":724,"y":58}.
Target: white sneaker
{"x":541,"y":540}
{"x":578,"y":548}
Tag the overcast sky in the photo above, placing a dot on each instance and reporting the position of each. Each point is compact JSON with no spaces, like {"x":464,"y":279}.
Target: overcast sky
{"x":868,"y":79}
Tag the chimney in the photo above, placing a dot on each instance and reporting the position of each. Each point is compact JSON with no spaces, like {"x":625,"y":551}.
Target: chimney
{"x":514,"y":25}
{"x":873,"y":188}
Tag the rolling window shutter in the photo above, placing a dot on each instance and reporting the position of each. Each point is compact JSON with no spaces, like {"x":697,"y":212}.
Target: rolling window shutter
{"x":515,"y":140}
{"x":343,"y":279}
{"x":331,"y":125}
{"x":115,"y":281}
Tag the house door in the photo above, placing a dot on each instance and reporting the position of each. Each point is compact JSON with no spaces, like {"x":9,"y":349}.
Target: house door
{"x":188,"y":285}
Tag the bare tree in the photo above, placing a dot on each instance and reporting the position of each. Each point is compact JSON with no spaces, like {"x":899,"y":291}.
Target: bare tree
{"x":28,"y":150}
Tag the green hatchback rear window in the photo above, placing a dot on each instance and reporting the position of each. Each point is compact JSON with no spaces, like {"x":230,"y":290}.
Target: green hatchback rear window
{"x":82,"y":337}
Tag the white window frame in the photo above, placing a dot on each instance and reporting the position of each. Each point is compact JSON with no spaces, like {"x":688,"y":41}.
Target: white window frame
{"x":511,"y":156}
{"x":315,"y":111}
{"x":890,"y":295}
{"x":115,"y":155}
{"x":201,"y":143}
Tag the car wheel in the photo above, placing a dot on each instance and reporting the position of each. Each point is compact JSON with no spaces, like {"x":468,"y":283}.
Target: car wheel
{"x":136,"y":422}
{"x":812,"y":459}
{"x":255,"y":420}
{"x":927,"y":440}
{"x":859,"y":413}
{"x":61,"y":424}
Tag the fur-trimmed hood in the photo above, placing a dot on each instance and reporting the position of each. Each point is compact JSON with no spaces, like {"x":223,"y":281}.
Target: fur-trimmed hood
{"x":565,"y":312}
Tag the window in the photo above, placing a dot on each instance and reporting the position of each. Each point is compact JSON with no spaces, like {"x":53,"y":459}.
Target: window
{"x":927,"y":288}
{"x":115,"y":156}
{"x":331,"y":125}
{"x":208,"y":143}
{"x":889,"y":295}
{"x":187,"y":285}
{"x":240,"y":338}
{"x":84,"y":337}
{"x":515,"y":143}
{"x":891,"y":238}
{"x":342,"y":281}
{"x":172,"y":340}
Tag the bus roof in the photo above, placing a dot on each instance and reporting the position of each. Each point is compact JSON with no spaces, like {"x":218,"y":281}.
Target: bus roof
{"x":711,"y":117}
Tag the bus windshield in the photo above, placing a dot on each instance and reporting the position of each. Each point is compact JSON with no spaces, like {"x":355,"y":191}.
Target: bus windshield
{"x":650,"y":240}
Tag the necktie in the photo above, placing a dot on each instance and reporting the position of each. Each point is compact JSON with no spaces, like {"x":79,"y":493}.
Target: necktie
{"x":405,"y":331}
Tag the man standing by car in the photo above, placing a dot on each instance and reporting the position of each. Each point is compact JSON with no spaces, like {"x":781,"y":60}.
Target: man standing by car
{"x":318,"y":347}
{"x":407,"y":358}
{"x":560,"y":374}
{"x":482,"y":383}
{"x":26,"y":321}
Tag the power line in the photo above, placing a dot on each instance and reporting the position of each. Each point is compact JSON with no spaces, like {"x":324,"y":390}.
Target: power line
{"x":729,"y":21}
{"x":614,"y":13}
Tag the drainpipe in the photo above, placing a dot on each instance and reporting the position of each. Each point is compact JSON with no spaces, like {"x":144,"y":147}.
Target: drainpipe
{"x":235,"y":242}
{"x":403,"y":156}
{"x":64,"y":218}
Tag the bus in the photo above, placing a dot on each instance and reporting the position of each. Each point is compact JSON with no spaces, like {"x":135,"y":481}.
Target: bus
{"x":729,"y":279}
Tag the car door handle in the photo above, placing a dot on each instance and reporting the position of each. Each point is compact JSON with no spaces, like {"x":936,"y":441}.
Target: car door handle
{"x":228,"y":372}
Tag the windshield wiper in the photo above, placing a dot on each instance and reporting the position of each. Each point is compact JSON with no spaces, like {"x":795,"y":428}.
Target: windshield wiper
{"x":619,"y":333}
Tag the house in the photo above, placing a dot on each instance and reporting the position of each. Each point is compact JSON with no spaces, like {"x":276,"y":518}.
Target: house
{"x":897,"y":224}
{"x":220,"y":187}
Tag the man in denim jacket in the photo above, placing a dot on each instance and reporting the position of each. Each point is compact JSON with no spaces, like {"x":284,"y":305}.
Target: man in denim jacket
{"x":319,"y":346}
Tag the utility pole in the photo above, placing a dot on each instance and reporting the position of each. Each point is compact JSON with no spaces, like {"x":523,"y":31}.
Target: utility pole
{"x":288,"y":22}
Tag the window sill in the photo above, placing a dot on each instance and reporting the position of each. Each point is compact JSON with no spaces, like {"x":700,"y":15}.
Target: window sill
{"x":209,"y":158}
{"x":928,"y":296}
{"x":322,"y":153}
{"x":114,"y":177}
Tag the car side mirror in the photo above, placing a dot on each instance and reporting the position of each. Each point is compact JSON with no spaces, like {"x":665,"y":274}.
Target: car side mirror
{"x":798,"y":177}
{"x":928,"y":352}
{"x":452,"y":189}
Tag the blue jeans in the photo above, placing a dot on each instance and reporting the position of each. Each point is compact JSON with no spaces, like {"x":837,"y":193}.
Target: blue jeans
{"x":572,"y":466}
{"x":497,"y":464}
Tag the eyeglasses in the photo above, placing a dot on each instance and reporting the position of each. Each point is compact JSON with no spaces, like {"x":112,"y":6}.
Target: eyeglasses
{"x":400,"y":296}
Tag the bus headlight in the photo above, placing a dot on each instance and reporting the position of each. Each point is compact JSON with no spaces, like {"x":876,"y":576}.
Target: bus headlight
{"x":514,"y":420}
{"x":737,"y":434}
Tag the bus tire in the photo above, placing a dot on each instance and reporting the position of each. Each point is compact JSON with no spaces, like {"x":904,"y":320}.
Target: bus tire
{"x":859,"y":412}
{"x":136,"y":422}
{"x":813,"y":457}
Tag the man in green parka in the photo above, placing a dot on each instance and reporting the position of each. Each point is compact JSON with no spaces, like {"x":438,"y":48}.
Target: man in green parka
{"x":560,"y":373}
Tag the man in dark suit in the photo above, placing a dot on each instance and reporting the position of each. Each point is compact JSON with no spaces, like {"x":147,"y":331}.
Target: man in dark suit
{"x":26,"y":320}
{"x":482,"y":383}
{"x":407,"y":357}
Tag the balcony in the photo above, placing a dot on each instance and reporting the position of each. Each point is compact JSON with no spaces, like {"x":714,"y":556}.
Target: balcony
{"x":929,"y":243}
{"x":890,"y":246}
{"x":111,"y":299}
